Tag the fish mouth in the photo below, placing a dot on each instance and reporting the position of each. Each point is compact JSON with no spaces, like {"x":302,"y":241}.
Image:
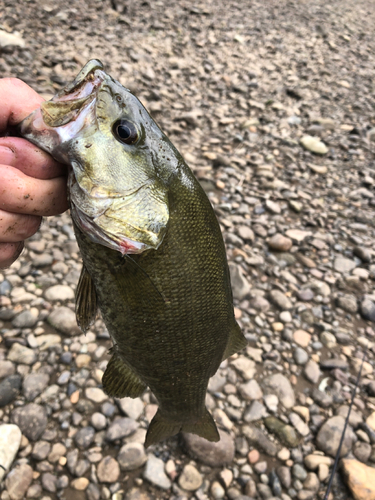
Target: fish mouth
{"x":72,"y":109}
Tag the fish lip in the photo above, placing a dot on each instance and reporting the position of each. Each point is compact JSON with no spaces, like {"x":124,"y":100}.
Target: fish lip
{"x":92,"y":68}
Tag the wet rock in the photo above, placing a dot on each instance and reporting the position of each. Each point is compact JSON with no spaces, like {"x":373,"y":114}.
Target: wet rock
{"x":34,"y":384}
{"x":190,"y":478}
{"x":9,"y":389}
{"x":280,"y":243}
{"x":280,"y":300}
{"x":280,"y":385}
{"x":329,"y":436}
{"x":132,"y":456}
{"x":284,"y":432}
{"x":209,"y":453}
{"x":18,"y":480}
{"x":31,"y":419}
{"x":10,"y":440}
{"x":154,"y":473}
{"x":108,"y":470}
{"x":360,"y":479}
{"x":21,"y":354}
{"x":64,"y":320}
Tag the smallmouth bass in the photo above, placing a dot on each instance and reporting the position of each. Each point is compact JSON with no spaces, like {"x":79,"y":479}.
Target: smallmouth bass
{"x":154,"y":261}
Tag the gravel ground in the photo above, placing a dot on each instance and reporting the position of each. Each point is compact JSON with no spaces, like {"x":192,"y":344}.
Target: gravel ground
{"x":272,"y":105}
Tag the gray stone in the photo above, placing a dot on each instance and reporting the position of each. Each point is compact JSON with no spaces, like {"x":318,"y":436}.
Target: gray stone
{"x":245,"y":366}
{"x":299,"y":424}
{"x":98,"y":421}
{"x":108,"y":470}
{"x":329,"y":436}
{"x":190,"y":478}
{"x":18,"y":480}
{"x":10,"y":440}
{"x":26,"y":319}
{"x":363,"y":253}
{"x":154,"y":473}
{"x":284,"y":432}
{"x":300,"y":356}
{"x":31,"y":419}
{"x":344,"y":265}
{"x":322,"y":398}
{"x":285,"y":476}
{"x":368,"y":309}
{"x":311,"y":371}
{"x":280,"y":300}
{"x":257,"y":437}
{"x":6,"y":368}
{"x":9,"y":389}
{"x":42,"y":260}
{"x":49,"y":482}
{"x":348,"y":303}
{"x":121,"y":428}
{"x":84,"y":437}
{"x":259,"y":304}
{"x":41,"y":450}
{"x":251,"y":390}
{"x":280,"y":385}
{"x":132,"y":456}
{"x":209,"y":453}
{"x":256,"y":411}
{"x":133,"y":408}
{"x":21,"y":354}
{"x":34,"y":384}
{"x":64,"y":320}
{"x":362,"y":451}
{"x":280,"y":243}
{"x":241,"y":287}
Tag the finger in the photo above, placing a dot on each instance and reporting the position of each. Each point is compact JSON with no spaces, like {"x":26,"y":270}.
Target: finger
{"x":20,"y":101}
{"x":17,"y":227}
{"x":25,"y":195}
{"x":9,"y":252}
{"x":28,"y":158}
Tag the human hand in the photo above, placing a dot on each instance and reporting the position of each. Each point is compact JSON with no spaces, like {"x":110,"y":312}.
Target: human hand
{"x":32,"y":183}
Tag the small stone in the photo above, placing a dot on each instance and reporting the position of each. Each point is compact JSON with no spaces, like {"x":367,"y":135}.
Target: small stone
{"x":132,"y":456}
{"x":21,"y":354}
{"x":96,"y":394}
{"x":328,"y":339}
{"x":210,"y":453}
{"x":241,"y":287}
{"x":344,"y":265}
{"x":43,"y":260}
{"x":245,"y":366}
{"x":217,"y":491}
{"x":329,"y":436}
{"x":258,"y":438}
{"x":280,"y":385}
{"x":155,"y":474}
{"x":48,"y":340}
{"x":246,"y":233}
{"x":314,"y":145}
{"x":297,"y":234}
{"x":58,"y":450}
{"x":108,"y":470}
{"x":49,"y":482}
{"x":82,"y":360}
{"x":283,"y":454}
{"x":256,"y":411}
{"x":34,"y":384}
{"x":59,"y":292}
{"x":299,"y":424}
{"x":285,"y":317}
{"x":367,"y":310}
{"x":18,"y":480}
{"x":285,"y":476}
{"x":11,"y":39}
{"x":121,"y":428}
{"x":312,"y":372}
{"x":363,"y":253}
{"x":300,"y":356}
{"x":348,"y":303}
{"x":250,"y":390}
{"x":273,"y":207}
{"x":260,"y":304}
{"x":280,"y":243}
{"x":41,"y":450}
{"x":284,"y":432}
{"x":271,"y":401}
{"x":26,"y":319}
{"x":362,"y":451}
{"x":280,"y":300}
{"x":360,"y":479}
{"x":9,"y":389}
{"x":318,"y":169}
{"x":190,"y":478}
{"x":313,"y":461}
{"x":64,"y":320}
{"x":133,"y":408}
{"x":10,"y":440}
{"x":31,"y":419}
{"x":370,"y":420}
{"x":253,"y":456}
{"x":98,"y":421}
{"x":80,"y":484}
{"x":6,"y":368}
{"x":84,"y":437}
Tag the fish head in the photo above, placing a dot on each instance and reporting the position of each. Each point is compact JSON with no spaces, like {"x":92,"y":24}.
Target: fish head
{"x":120,"y":160}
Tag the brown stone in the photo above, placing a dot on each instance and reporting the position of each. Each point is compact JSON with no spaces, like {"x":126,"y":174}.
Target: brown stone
{"x":360,"y":479}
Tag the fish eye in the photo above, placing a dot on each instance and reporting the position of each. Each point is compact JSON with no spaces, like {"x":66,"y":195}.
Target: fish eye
{"x":125,"y":131}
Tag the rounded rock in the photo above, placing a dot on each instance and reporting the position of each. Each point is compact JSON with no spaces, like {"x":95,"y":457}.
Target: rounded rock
{"x":209,"y":453}
{"x":108,"y":470}
{"x":280,"y":243}
{"x":190,"y":478}
{"x":132,"y":456}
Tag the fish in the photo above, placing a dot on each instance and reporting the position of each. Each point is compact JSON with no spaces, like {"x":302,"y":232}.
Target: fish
{"x":154,"y":260}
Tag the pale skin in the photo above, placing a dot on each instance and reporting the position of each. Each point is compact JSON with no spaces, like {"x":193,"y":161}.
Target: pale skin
{"x":32,"y":183}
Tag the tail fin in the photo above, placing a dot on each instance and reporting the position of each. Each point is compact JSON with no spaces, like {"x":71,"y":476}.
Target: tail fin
{"x":160,"y":428}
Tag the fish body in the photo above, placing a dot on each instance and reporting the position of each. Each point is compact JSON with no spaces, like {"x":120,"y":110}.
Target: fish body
{"x":154,"y":261}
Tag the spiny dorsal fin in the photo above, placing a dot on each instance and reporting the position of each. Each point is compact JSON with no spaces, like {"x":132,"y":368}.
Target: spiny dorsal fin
{"x":236,"y":342}
{"x":119,"y":380}
{"x":86,"y":301}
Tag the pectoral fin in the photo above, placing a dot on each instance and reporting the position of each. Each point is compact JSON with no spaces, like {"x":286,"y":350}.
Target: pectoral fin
{"x":119,"y":380}
{"x":86,"y":301}
{"x":236,"y":342}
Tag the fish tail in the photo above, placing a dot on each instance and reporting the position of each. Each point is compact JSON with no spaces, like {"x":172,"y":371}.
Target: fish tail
{"x":160,"y":428}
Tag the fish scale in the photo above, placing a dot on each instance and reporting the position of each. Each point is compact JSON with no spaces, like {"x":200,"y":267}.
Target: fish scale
{"x":154,"y":260}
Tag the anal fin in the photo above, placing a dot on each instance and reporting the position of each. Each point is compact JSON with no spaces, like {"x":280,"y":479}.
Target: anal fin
{"x":236,"y":342}
{"x":119,"y":380}
{"x":86,"y":301}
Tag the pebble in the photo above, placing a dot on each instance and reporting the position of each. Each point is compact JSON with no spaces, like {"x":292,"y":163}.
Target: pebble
{"x":217,"y":491}
{"x":108,"y":470}
{"x":348,"y":303}
{"x":300,"y":356}
{"x":133,"y":408}
{"x":210,"y":453}
{"x":84,"y":437}
{"x":312,"y":372}
{"x":314,"y":145}
{"x":121,"y":428}
{"x":26,"y":319}
{"x":360,"y":479}
{"x":284,"y":432}
{"x":10,"y":440}
{"x":31,"y":419}
{"x":34,"y":384}
{"x":344,"y":265}
{"x":80,"y":483}
{"x":257,"y":437}
{"x":18,"y":481}
{"x":368,"y":309}
{"x":132,"y":456}
{"x":154,"y":473}
{"x":21,"y":354}
{"x":190,"y":478}
{"x":280,"y":243}
{"x":59,"y":292}
{"x":256,"y":411}
{"x":95,"y":394}
{"x":64,"y":320}
{"x":329,"y":435}
{"x":251,"y":390}
{"x":241,"y":287}
{"x":280,"y":386}
{"x":9,"y":389}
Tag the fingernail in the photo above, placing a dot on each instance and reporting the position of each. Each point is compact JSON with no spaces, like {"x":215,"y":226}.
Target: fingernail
{"x":6,"y":155}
